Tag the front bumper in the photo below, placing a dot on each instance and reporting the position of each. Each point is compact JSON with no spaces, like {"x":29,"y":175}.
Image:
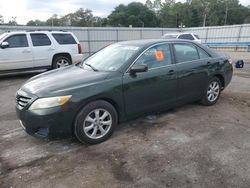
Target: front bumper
{"x":49,"y":123}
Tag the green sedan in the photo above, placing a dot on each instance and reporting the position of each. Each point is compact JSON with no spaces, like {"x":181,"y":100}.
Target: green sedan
{"x":120,"y":82}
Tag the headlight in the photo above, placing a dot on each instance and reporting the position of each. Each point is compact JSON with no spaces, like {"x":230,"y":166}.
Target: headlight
{"x":49,"y":102}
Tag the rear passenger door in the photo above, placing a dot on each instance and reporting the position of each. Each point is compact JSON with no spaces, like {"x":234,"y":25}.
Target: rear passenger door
{"x":192,"y":65}
{"x":42,"y":49}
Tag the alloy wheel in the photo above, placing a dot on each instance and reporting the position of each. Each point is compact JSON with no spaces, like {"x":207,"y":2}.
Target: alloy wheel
{"x":97,"y":123}
{"x":213,"y":91}
{"x":62,"y":63}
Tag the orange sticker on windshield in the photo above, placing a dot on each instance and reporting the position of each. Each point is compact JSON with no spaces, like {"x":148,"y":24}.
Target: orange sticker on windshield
{"x":159,"y":56}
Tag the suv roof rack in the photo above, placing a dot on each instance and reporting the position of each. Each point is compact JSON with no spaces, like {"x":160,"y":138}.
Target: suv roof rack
{"x":50,"y":30}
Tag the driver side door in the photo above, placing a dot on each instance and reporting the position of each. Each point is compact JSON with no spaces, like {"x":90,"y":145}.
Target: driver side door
{"x":17,"y":55}
{"x":154,"y":89}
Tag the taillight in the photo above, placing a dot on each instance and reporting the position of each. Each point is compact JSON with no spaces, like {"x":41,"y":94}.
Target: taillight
{"x":79,"y":48}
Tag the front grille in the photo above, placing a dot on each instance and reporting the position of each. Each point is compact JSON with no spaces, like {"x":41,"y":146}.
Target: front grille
{"x":22,"y":101}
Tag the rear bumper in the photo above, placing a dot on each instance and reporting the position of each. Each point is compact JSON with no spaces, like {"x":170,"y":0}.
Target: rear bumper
{"x":76,"y":58}
{"x":46,"y":123}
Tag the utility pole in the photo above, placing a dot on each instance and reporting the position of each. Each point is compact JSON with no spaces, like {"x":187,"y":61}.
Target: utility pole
{"x":204,"y":20}
{"x":225,"y":21}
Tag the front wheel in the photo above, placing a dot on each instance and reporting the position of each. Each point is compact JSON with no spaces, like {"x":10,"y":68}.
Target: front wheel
{"x":212,"y":92}
{"x":95,"y":123}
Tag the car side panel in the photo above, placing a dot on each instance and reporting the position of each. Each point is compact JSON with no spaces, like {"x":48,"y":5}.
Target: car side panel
{"x":42,"y":55}
{"x":192,"y":78}
{"x":150,"y":91}
{"x":16,"y":58}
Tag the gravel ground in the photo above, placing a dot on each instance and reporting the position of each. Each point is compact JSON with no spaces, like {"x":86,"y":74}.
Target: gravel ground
{"x":190,"y":146}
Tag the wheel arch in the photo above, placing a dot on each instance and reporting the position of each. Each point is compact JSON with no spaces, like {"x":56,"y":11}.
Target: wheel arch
{"x":106,"y":99}
{"x":221,"y":78}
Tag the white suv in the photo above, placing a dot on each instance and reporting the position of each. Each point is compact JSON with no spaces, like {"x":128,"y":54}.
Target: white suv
{"x":187,"y":36}
{"x":29,"y":50}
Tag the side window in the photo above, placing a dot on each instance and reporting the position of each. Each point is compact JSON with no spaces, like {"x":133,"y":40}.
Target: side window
{"x":64,"y":38}
{"x":185,"y":52}
{"x":186,"y":36}
{"x":17,"y":41}
{"x":202,"y":54}
{"x":39,"y":39}
{"x":156,"y":56}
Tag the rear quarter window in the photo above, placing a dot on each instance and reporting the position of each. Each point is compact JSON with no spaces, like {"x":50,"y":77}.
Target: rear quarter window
{"x":64,"y":38}
{"x":186,"y":36}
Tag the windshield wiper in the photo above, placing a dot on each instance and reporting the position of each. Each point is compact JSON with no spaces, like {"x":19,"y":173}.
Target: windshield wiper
{"x":94,"y":69}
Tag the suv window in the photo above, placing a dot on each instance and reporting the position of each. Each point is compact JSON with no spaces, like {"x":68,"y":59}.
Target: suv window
{"x":186,"y":36}
{"x":156,"y":56}
{"x":202,"y":54}
{"x":185,"y":52}
{"x":17,"y":41}
{"x":64,"y":38}
{"x":39,"y":39}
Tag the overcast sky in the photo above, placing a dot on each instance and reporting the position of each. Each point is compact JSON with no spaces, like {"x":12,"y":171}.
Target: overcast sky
{"x":25,"y":10}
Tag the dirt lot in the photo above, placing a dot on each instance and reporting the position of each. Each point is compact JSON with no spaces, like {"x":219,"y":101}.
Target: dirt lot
{"x":191,"y":146}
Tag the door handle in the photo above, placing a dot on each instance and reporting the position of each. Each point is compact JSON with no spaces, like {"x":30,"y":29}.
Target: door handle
{"x":26,"y":51}
{"x":170,"y":72}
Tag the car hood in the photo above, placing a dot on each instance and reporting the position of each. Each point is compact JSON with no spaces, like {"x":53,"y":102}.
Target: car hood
{"x":62,"y":80}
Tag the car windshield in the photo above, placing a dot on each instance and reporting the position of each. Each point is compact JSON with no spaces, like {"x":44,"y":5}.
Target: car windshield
{"x":2,"y":36}
{"x":110,"y":58}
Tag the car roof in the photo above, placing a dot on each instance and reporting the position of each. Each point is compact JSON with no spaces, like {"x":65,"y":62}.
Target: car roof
{"x":145,"y":43}
{"x":37,"y":31}
{"x":149,"y":42}
{"x":177,"y":33}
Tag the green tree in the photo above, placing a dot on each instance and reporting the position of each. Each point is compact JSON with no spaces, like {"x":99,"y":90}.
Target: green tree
{"x":35,"y":23}
{"x":135,"y":14}
{"x":1,"y":19}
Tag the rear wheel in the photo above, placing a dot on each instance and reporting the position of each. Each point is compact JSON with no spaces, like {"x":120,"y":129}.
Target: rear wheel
{"x":212,"y":92}
{"x":95,"y":123}
{"x":61,"y":61}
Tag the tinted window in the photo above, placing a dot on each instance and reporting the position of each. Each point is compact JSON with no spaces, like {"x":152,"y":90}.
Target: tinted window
{"x":203,"y":54}
{"x":64,"y":38}
{"x":17,"y":41}
{"x":156,"y":56}
{"x":186,"y":36}
{"x":185,"y":52}
{"x":40,"y":39}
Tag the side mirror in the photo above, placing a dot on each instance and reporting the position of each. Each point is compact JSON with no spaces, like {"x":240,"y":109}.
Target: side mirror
{"x":138,"y":68}
{"x":239,"y":64}
{"x":4,"y":45}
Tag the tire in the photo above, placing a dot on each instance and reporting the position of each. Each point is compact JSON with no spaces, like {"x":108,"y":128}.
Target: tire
{"x":63,"y":60}
{"x":87,"y":122}
{"x":212,"y":92}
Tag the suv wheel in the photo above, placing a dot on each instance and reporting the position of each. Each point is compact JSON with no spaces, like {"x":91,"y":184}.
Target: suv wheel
{"x":60,"y":61}
{"x":95,"y":123}
{"x":212,"y":92}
